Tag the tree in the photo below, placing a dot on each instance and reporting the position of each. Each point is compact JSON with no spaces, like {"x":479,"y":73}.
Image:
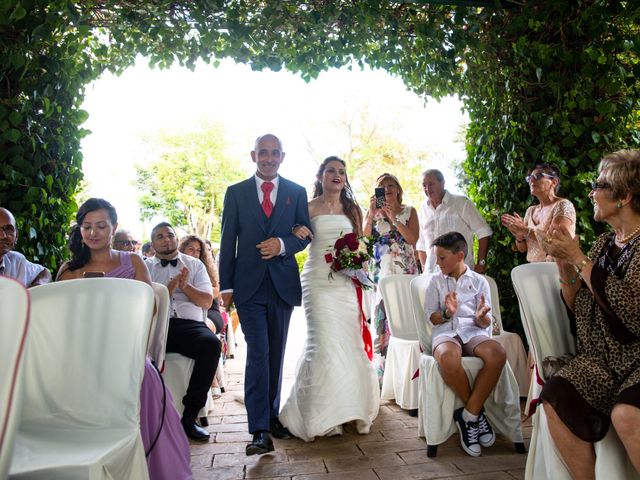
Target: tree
{"x":371,"y":149}
{"x":187,"y":180}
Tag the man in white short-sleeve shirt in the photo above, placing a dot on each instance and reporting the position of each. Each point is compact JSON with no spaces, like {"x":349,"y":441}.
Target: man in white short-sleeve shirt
{"x":13,"y":264}
{"x":443,"y":212}
{"x":191,"y":295}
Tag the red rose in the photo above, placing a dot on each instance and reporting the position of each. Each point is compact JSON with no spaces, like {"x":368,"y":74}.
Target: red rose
{"x":337,"y":265}
{"x":328,"y":258}
{"x":352,"y":241}
{"x":340,"y":244}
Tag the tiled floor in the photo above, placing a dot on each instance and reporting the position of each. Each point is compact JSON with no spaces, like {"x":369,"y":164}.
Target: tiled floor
{"x":391,"y":451}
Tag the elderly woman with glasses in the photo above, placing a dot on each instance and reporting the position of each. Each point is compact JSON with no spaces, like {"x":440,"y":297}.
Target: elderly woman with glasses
{"x":552,"y":211}
{"x":600,"y":387}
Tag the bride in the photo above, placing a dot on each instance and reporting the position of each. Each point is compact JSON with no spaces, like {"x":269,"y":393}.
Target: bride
{"x":335,"y":382}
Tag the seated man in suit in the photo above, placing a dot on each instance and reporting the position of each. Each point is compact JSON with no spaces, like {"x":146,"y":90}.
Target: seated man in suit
{"x":191,"y":296}
{"x":13,"y":264}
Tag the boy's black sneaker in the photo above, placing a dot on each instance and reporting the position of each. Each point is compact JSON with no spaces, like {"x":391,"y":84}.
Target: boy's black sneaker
{"x":486,"y":437}
{"x":468,"y":434}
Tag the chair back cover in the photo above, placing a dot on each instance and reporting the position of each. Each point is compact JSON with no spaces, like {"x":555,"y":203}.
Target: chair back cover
{"x":396,"y":294}
{"x":86,"y":352}
{"x":495,"y":302}
{"x":14,"y":325}
{"x":418,"y":296}
{"x":543,"y":313}
{"x":160,"y":325}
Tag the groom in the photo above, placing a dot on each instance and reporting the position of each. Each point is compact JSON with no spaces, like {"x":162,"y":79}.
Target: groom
{"x":258,"y":271}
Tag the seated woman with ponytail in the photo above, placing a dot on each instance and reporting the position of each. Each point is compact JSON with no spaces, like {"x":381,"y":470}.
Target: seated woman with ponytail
{"x":90,"y":239}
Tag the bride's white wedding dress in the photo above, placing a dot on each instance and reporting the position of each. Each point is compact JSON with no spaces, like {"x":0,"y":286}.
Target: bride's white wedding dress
{"x":335,"y":381}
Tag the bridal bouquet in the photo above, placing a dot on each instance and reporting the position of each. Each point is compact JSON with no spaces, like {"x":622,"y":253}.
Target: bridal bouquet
{"x":348,"y":257}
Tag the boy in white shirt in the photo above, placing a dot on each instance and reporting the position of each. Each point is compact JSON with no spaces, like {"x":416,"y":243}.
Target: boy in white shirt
{"x":457,"y":305}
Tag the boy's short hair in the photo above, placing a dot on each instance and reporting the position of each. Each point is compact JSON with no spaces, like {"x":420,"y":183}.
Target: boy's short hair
{"x":452,"y":241}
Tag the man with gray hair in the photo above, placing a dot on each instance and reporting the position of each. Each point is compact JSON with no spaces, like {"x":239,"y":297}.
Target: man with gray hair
{"x":123,"y":240}
{"x":13,"y":264}
{"x":443,"y":212}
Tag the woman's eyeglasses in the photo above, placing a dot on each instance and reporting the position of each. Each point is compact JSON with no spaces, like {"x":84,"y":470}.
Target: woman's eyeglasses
{"x":126,"y":243}
{"x":538,"y":176}
{"x":600,"y":185}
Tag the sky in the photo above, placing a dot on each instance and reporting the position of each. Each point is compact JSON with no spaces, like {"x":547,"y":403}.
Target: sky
{"x":126,"y":110}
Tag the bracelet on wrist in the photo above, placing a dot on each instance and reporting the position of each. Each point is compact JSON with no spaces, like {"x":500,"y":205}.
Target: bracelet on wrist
{"x":444,"y":314}
{"x":579,"y":266}
{"x":571,"y":281}
{"x":521,"y":240}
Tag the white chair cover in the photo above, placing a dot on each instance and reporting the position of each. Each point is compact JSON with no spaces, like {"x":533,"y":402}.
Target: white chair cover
{"x":511,"y":342}
{"x":546,"y":325}
{"x":83,"y":372}
{"x":176,"y":374}
{"x":438,"y":401}
{"x":159,"y":325}
{"x":544,"y":318}
{"x":403,"y":352}
{"x":14,"y":324}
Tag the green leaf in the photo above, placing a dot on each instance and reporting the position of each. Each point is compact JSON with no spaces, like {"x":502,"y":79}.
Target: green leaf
{"x":12,"y":135}
{"x":18,"y":13}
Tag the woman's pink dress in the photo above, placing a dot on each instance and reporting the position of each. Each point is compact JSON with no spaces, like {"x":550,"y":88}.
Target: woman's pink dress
{"x":169,"y":458}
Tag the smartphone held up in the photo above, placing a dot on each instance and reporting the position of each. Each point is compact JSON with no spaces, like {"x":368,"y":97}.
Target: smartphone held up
{"x":379,"y":194}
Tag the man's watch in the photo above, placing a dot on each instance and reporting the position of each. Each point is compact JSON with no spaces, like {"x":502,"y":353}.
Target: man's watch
{"x":482,"y":262}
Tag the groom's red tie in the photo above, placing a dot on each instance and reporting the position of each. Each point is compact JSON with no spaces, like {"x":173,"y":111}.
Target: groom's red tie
{"x":267,"y":206}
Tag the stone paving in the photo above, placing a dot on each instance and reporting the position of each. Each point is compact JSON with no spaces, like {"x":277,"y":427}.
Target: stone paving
{"x":391,"y":451}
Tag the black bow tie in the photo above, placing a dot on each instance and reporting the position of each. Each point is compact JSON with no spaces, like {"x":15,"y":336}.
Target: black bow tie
{"x":164,"y":262}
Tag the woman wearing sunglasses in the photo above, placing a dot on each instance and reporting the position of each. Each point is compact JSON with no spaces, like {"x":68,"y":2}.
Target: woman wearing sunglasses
{"x":600,"y":388}
{"x":551,"y":212}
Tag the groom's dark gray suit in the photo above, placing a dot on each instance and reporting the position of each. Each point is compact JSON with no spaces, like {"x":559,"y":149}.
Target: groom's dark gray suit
{"x":264,"y":291}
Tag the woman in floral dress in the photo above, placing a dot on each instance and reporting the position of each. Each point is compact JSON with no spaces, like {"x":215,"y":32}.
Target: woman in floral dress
{"x":395,"y":229}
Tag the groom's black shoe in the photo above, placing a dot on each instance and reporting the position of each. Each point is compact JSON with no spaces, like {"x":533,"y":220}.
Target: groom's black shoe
{"x":280,"y":431}
{"x":261,"y":443}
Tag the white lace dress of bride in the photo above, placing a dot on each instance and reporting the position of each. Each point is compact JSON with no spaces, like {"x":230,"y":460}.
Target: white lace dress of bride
{"x":335,"y":382}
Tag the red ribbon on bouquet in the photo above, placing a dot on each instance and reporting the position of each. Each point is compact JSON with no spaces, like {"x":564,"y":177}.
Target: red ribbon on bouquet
{"x":366,"y":334}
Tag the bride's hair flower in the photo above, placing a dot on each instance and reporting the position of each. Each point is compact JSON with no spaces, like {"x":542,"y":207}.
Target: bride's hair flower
{"x":349,"y":255}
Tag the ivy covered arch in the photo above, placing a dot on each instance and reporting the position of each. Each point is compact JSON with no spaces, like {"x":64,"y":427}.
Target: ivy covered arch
{"x":541,"y":80}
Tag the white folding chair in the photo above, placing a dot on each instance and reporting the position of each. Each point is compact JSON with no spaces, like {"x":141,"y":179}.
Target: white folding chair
{"x":159,"y":325}
{"x":511,"y":342}
{"x":403,"y":352}
{"x":438,"y":401}
{"x":14,"y":325}
{"x":546,"y":326}
{"x":83,"y":371}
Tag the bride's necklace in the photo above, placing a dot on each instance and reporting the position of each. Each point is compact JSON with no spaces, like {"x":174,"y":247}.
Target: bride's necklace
{"x":628,"y":237}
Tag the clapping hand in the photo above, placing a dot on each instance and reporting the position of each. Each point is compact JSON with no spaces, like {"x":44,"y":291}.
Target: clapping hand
{"x":515,"y":224}
{"x":561,"y":245}
{"x":179,"y":281}
{"x":481,"y":311}
{"x":451,"y":303}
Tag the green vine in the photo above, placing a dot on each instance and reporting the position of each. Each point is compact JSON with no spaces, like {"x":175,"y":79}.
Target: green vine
{"x":542,"y":81}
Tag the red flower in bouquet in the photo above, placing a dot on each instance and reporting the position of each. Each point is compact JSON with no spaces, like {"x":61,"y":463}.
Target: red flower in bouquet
{"x":350,"y":241}
{"x":350,"y":253}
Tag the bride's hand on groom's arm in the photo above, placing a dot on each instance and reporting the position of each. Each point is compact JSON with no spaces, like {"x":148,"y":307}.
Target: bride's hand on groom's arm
{"x":302,"y":232}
